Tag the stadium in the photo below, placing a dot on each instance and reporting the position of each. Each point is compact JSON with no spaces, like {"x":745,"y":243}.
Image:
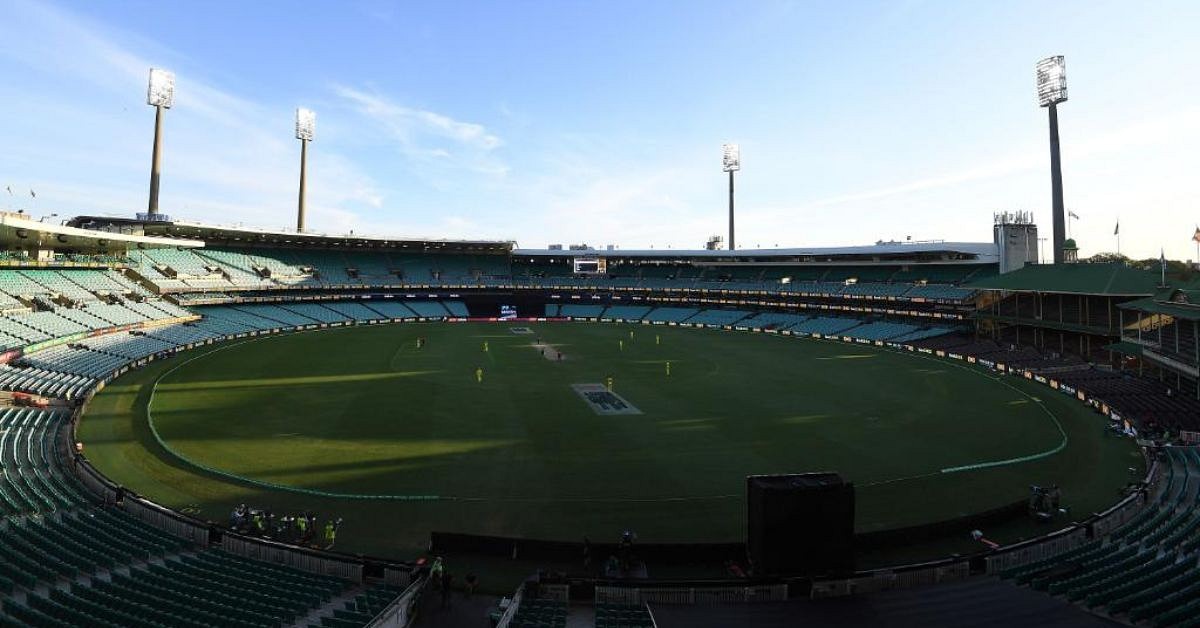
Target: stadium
{"x":206,"y":424}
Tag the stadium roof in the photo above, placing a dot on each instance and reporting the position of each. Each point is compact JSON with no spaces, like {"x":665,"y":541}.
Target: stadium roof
{"x":19,"y":231}
{"x":1188,"y":311}
{"x":1090,"y":279}
{"x":892,"y":252}
{"x":230,"y":235}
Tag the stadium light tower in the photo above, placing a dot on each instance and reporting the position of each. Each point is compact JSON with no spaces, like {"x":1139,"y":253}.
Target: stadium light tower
{"x":160,"y":94}
{"x":731,"y":162}
{"x":306,"y":126}
{"x":1052,"y":90}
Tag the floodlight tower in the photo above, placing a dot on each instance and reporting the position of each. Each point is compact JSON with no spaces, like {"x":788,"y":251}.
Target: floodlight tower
{"x":731,"y":162}
{"x":1052,"y":90}
{"x":306,"y":126}
{"x":160,"y":94}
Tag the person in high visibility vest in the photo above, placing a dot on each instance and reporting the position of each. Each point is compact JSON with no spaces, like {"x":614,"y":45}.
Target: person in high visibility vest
{"x":631,"y":334}
{"x":609,"y":382}
{"x":479,"y":374}
{"x":485,"y":346}
{"x":330,"y":533}
{"x":302,"y":524}
{"x":668,"y":368}
{"x":621,"y":344}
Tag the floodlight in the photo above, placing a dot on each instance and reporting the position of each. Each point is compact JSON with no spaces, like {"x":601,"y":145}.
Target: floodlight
{"x":306,"y":124}
{"x":1051,"y":81}
{"x":731,"y":158}
{"x":161,"y":91}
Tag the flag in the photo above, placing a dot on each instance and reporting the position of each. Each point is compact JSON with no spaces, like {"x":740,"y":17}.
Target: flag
{"x":1073,"y":215}
{"x":1196,"y":236}
{"x":9,"y":188}
{"x":1117,"y":230}
{"x":32,"y":193}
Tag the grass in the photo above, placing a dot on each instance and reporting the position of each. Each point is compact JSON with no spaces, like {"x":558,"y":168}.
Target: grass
{"x":362,"y":411}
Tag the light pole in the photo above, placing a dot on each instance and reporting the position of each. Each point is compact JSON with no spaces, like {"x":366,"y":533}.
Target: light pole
{"x":160,"y":94}
{"x":1052,"y":90}
{"x":731,"y":162}
{"x":306,"y":126}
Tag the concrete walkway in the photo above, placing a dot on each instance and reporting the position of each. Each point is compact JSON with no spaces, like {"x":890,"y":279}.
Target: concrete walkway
{"x":462,"y":613}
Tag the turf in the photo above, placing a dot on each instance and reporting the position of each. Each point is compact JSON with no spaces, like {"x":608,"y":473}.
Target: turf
{"x":363,"y":412}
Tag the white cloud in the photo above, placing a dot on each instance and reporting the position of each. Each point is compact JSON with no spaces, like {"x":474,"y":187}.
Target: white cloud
{"x":431,"y":138}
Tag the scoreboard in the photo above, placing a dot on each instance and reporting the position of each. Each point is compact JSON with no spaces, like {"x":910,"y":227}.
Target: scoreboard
{"x":590,"y":265}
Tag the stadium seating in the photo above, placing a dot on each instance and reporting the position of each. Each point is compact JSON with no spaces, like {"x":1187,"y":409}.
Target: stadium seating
{"x":581,"y":311}
{"x":1145,"y":571}
{"x":625,"y":312}
{"x":540,"y":614}
{"x":33,"y":480}
{"x":718,"y":317}
{"x":623,"y":616}
{"x":671,"y":314}
{"x":354,"y":311}
{"x":772,"y":320}
{"x":315,"y":312}
{"x":428,"y":309}
{"x":391,"y":309}
{"x":880,"y":331}
{"x":826,"y":325}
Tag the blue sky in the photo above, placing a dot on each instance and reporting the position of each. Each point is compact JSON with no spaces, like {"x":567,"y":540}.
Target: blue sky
{"x":601,"y":122}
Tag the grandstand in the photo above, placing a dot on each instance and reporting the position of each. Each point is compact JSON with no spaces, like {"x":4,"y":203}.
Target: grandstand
{"x":77,"y":554}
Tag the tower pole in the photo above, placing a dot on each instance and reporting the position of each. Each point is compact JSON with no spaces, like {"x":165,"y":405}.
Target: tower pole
{"x":303,"y":171}
{"x":155,"y":161}
{"x":731,"y":247}
{"x":1056,"y":187}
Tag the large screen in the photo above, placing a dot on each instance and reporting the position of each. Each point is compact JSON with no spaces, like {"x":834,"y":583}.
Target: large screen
{"x":508,"y":312}
{"x":589,"y":266}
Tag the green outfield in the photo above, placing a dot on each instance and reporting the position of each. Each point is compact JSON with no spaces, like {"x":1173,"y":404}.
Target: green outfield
{"x":349,"y":421}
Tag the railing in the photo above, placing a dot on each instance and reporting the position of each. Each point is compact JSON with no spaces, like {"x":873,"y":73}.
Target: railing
{"x":324,"y":563}
{"x":889,"y":579}
{"x":692,"y":595}
{"x":400,"y":613}
{"x":513,"y":607}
